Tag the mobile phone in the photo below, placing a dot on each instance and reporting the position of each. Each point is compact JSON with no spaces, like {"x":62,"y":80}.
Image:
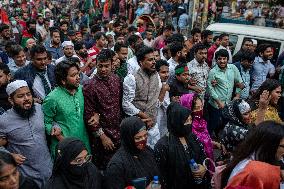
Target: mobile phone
{"x":139,"y":183}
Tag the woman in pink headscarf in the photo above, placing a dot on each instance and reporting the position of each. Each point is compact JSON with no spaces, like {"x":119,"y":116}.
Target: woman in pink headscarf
{"x":199,"y":126}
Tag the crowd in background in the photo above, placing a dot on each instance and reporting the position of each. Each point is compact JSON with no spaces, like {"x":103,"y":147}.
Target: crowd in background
{"x":102,"y":99}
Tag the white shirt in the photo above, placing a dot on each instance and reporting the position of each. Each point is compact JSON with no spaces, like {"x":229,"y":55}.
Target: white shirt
{"x":38,"y":87}
{"x":132,"y":65}
{"x":172,"y":66}
{"x":199,"y":72}
{"x":230,"y":61}
{"x":162,"y":114}
{"x":64,"y":58}
{"x":129,"y":88}
{"x":148,"y":43}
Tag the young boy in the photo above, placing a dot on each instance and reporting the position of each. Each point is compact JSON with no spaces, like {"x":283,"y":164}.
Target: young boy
{"x":162,"y":68}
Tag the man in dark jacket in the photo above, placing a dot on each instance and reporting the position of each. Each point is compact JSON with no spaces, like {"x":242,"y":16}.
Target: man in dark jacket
{"x":38,"y":74}
{"x":247,"y":46}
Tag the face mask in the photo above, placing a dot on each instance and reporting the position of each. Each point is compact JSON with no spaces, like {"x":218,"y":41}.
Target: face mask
{"x":141,"y":144}
{"x":77,"y":170}
{"x":197,"y":114}
{"x":187,"y":129}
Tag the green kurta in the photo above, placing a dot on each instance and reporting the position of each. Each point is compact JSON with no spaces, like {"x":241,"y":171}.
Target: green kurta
{"x":67,"y":111}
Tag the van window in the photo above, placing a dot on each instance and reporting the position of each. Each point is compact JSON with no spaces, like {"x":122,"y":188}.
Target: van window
{"x":233,"y":39}
{"x":276,"y":47}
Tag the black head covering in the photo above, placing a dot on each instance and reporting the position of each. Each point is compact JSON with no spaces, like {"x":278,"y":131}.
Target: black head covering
{"x":129,"y":127}
{"x":70,"y":176}
{"x":176,"y":117}
{"x":232,"y":113}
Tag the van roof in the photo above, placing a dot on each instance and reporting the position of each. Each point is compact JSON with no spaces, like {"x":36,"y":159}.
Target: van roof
{"x":250,"y":30}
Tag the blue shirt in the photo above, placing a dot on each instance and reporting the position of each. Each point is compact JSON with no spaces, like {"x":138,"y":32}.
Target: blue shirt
{"x":56,"y":52}
{"x":246,"y":79}
{"x":260,"y":71}
{"x":183,"y":21}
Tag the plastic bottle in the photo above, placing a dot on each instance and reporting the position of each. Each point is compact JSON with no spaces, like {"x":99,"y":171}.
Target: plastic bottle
{"x":156,"y":184}
{"x":195,"y":167}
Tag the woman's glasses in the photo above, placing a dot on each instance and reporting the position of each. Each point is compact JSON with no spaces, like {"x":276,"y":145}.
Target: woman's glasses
{"x":83,"y":160}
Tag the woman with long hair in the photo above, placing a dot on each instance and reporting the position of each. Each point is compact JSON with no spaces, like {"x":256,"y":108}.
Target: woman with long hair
{"x":272,"y":89}
{"x":256,"y":162}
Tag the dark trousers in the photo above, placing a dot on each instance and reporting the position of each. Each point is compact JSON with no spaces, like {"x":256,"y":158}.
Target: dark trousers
{"x":215,"y":120}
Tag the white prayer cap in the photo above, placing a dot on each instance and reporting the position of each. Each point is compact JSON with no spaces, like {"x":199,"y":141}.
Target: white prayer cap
{"x":67,"y":43}
{"x":244,"y":107}
{"x":254,"y":42}
{"x":13,"y":86}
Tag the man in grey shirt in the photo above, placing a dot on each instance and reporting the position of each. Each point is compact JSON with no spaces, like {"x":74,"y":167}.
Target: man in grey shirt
{"x":22,"y":132}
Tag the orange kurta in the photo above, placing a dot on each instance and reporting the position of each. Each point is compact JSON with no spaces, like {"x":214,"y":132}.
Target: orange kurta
{"x":258,"y":175}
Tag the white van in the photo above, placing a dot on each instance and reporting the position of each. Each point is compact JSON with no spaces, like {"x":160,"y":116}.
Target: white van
{"x":239,"y":32}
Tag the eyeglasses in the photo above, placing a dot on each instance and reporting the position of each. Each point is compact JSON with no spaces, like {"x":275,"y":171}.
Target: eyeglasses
{"x":83,"y":160}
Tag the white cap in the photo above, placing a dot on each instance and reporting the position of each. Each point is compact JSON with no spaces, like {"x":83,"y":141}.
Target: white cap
{"x":13,"y":86}
{"x":67,"y":43}
{"x":254,"y":42}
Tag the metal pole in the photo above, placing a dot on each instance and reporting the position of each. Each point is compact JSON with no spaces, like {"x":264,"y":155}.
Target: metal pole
{"x":204,"y":14}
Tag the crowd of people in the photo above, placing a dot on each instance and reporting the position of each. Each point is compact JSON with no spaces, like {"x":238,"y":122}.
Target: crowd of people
{"x":91,"y":104}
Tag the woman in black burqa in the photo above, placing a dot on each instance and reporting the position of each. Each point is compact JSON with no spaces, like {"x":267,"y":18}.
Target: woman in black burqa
{"x":174,"y":151}
{"x":73,"y":168}
{"x":134,"y":159}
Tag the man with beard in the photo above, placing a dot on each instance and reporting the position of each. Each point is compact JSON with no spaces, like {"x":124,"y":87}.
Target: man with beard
{"x":198,"y":69}
{"x":224,"y":44}
{"x":178,"y":53}
{"x":246,"y":47}
{"x":40,"y":26}
{"x":30,"y":32}
{"x":103,"y":95}
{"x":141,"y":90}
{"x":68,"y":51}
{"x":54,"y":45}
{"x":65,"y":106}
{"x":5,"y":35}
{"x":122,"y":51}
{"x":23,"y":135}
{"x":5,"y":77}
{"x":180,"y":84}
{"x":262,"y":67}
{"x":82,"y":53}
{"x":38,"y":74}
